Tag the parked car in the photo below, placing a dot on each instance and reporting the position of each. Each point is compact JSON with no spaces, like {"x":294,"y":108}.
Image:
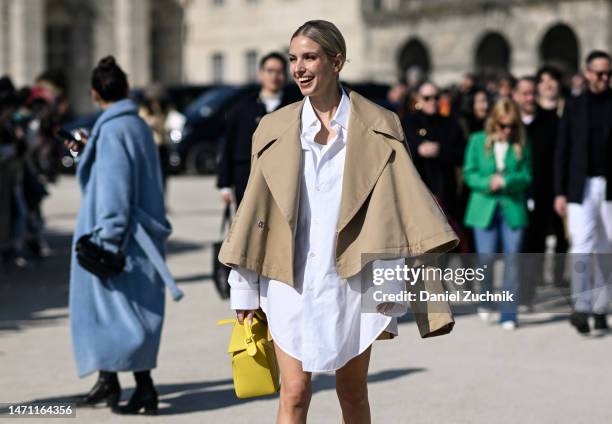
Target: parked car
{"x":196,"y":146}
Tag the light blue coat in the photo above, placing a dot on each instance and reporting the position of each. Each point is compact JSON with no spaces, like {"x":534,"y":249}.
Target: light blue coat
{"x":116,"y":323}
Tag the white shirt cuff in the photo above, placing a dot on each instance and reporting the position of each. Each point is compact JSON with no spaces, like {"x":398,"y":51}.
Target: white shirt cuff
{"x":244,"y":289}
{"x":394,"y":287}
{"x":244,"y":299}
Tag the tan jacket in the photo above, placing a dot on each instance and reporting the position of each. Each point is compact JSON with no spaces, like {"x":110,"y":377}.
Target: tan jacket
{"x":385,"y":206}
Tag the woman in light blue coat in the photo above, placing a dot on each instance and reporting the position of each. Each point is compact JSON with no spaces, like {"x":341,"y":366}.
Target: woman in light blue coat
{"x":116,"y":322}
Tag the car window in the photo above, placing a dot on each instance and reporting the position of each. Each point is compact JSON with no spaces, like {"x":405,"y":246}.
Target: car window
{"x":208,"y":103}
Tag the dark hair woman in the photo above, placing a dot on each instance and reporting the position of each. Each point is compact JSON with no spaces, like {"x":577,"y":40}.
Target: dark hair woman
{"x":116,"y":322}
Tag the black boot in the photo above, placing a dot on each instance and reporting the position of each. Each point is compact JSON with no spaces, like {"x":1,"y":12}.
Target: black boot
{"x":600,"y":323}
{"x":145,"y":396}
{"x":580,"y":321}
{"x":106,"y":389}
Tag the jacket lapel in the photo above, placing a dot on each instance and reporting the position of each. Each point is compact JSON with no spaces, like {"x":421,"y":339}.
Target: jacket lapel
{"x":366,"y":156}
{"x":281,"y":166}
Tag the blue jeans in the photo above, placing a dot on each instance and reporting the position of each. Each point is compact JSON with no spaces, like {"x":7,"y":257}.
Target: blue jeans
{"x":487,"y":243}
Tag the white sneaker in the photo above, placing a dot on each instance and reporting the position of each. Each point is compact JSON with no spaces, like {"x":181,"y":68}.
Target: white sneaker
{"x":508,"y":325}
{"x":485,"y":315}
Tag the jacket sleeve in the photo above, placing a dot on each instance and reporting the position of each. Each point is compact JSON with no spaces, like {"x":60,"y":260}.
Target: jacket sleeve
{"x":474,"y":178}
{"x":244,"y":289}
{"x":518,"y":181}
{"x":452,"y":150}
{"x":224,"y":176}
{"x":113,"y":192}
{"x":410,"y":135}
{"x":562,"y":152}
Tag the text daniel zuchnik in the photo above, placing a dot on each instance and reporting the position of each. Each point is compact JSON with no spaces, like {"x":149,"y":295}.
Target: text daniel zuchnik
{"x":458,"y":296}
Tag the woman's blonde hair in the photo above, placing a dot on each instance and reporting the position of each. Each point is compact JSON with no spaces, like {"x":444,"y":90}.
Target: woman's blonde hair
{"x":327,"y":35}
{"x":506,"y":107}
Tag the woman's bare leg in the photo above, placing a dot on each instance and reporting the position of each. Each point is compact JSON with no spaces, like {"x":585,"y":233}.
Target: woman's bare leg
{"x":352,"y":389}
{"x":296,"y":390}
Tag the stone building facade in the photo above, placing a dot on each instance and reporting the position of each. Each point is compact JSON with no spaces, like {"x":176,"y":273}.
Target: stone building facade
{"x":385,"y":37}
{"x":208,"y":41}
{"x":72,"y":35}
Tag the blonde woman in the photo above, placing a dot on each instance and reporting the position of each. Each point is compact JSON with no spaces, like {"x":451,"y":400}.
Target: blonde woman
{"x":497,"y":168}
{"x":330,"y":180}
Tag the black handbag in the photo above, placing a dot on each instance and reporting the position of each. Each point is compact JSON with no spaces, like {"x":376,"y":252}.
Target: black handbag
{"x":220,"y":271}
{"x":95,"y":259}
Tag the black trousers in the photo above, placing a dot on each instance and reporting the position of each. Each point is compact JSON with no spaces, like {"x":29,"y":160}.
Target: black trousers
{"x":542,"y":223}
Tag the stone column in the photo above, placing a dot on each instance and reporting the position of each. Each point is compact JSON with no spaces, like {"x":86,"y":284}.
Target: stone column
{"x":26,"y":40}
{"x":104,"y":31}
{"x":82,"y":60}
{"x":132,"y":34}
{"x":4,"y":37}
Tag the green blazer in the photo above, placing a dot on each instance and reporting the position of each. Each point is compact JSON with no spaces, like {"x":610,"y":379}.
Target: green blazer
{"x":478,"y":168}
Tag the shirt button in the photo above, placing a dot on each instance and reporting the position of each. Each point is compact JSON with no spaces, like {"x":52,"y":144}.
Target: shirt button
{"x":260,"y":224}
{"x":317,"y":188}
{"x":312,"y":255}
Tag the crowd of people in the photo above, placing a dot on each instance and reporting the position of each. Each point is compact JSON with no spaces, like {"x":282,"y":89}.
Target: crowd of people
{"x":30,"y":156}
{"x":515,"y":161}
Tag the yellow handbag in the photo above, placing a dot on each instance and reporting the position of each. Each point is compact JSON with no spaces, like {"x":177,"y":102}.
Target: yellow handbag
{"x":254,"y":363}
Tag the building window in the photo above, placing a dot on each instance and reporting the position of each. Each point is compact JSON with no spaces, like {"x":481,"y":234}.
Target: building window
{"x":218,"y":3}
{"x":377,"y":5}
{"x":251,"y":66}
{"x":58,"y":46}
{"x":217,"y":68}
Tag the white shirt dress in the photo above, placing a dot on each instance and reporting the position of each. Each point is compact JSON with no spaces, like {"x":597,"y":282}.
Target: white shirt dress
{"x":319,"y":321}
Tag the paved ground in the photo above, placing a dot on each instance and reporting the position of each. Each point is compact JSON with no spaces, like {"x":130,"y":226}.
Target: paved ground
{"x":542,"y":373}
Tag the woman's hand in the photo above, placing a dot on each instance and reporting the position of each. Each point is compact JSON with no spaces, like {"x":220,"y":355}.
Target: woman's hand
{"x":242,"y":314}
{"x":496,"y":183}
{"x":561,"y":206}
{"x":429,"y":149}
{"x":74,"y":146}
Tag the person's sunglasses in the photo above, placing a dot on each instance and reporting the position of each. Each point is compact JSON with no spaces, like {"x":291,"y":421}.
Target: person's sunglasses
{"x":429,"y":98}
{"x":601,"y":74}
{"x":505,"y":127}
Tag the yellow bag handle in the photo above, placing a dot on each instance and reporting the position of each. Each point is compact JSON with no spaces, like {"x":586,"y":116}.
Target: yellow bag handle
{"x":249,"y":340}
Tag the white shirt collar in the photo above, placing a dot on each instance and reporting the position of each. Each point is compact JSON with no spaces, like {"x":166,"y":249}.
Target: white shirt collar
{"x":311,"y":124}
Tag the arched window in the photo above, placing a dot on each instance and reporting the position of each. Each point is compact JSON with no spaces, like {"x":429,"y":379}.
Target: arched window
{"x":414,"y":55}
{"x":493,"y":54}
{"x":559,"y":48}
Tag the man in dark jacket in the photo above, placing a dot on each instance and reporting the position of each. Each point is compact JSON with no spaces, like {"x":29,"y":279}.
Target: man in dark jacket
{"x":242,"y":121}
{"x":541,"y":125}
{"x":583,"y":188}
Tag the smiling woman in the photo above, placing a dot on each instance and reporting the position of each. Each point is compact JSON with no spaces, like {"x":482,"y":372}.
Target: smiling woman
{"x":317,"y":54}
{"x":323,"y":171}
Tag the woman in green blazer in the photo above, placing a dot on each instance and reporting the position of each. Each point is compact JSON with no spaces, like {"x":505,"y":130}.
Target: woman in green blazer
{"x":497,"y":168}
